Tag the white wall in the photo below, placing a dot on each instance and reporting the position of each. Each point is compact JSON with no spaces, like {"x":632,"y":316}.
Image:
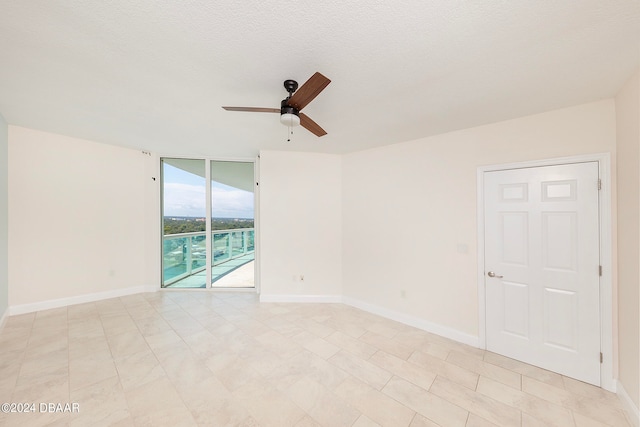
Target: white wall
{"x":628,"y":146}
{"x":4,"y":206}
{"x":300,"y":224}
{"x":80,"y":218}
{"x":409,"y":210}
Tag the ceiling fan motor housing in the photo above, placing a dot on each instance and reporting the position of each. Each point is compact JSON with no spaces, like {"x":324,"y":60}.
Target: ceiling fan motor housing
{"x":289,"y":116}
{"x":287,"y":109}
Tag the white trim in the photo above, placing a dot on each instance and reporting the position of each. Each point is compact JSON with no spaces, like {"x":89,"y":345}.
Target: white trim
{"x":301,"y":298}
{"x":80,"y":299}
{"x":416,"y":322}
{"x":631,"y":410}
{"x":607,"y":380}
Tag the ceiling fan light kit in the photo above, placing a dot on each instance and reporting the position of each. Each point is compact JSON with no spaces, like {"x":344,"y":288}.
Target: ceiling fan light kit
{"x":289,"y":116}
{"x":290,"y":107}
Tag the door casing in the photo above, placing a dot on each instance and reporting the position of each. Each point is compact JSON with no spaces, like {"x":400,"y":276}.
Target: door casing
{"x":607,"y":380}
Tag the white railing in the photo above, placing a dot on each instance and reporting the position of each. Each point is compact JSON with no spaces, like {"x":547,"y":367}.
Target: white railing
{"x":184,"y":254}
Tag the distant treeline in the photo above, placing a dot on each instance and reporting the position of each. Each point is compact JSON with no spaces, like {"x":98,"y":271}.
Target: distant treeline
{"x":177,"y":225}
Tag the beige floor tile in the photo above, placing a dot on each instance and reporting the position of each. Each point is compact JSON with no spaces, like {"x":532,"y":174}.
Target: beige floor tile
{"x":596,"y":409}
{"x":479,"y":404}
{"x":20,"y":321}
{"x":352,"y":345}
{"x":445,"y":369}
{"x":304,"y":337}
{"x":365,"y":371}
{"x":529,"y":421}
{"x":217,"y":359}
{"x":37,"y":419}
{"x":387,"y":345}
{"x":279,"y":344}
{"x":274,"y":410}
{"x":429,"y":405}
{"x":524,"y":369}
{"x":384,"y":327}
{"x":214,"y":412}
{"x":51,"y":386}
{"x":163,"y":339}
{"x":591,"y":391}
{"x":127,"y":343}
{"x":322,"y":348}
{"x":12,"y":340}
{"x":87,"y":370}
{"x":204,"y":343}
{"x":158,"y":404}
{"x":347,"y":325}
{"x":326,"y":373}
{"x":421,"y":421}
{"x":584,"y":421}
{"x":262,"y":360}
{"x":364,"y":421}
{"x":290,"y":370}
{"x":42,"y":344}
{"x":482,"y":368}
{"x":315,"y":399}
{"x":100,"y":404}
{"x":379,"y":407}
{"x":211,"y":403}
{"x":117,"y":324}
{"x":406,"y":370}
{"x":319,"y":329}
{"x":85,"y":329}
{"x":137,"y":369}
{"x":88,"y":346}
{"x":41,"y":374}
{"x":547,"y":412}
{"x":283,"y":327}
{"x":307,"y":421}
{"x":237,"y":374}
{"x":476,"y":421}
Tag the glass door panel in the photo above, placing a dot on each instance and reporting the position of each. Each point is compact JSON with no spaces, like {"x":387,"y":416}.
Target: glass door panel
{"x":184,"y":239}
{"x":232,"y":224}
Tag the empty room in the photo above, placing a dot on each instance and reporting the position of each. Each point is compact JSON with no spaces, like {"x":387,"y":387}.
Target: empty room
{"x":326,"y":214}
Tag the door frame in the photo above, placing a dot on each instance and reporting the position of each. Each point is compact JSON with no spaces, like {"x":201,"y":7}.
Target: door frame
{"x":607,"y":380}
{"x":256,"y":220}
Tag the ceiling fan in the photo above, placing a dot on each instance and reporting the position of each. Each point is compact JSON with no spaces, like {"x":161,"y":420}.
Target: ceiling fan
{"x":290,"y":107}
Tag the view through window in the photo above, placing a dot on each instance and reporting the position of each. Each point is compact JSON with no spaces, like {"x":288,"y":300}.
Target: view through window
{"x":184,"y":213}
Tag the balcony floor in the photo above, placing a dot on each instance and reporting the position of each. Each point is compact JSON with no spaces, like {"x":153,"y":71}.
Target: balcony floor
{"x":235,"y":273}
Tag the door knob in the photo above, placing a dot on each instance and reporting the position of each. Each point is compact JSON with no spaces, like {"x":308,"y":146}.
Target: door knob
{"x":492,"y":274}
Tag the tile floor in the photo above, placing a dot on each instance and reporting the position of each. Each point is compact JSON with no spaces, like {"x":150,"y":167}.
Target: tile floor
{"x":216,"y":359}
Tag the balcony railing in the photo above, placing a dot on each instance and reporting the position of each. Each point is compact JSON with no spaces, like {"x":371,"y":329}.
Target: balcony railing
{"x":185,"y":254}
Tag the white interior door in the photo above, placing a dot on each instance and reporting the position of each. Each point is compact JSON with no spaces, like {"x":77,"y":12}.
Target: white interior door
{"x":542,"y":267}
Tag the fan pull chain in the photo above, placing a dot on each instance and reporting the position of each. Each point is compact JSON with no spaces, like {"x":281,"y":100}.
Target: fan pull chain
{"x":289,"y":132}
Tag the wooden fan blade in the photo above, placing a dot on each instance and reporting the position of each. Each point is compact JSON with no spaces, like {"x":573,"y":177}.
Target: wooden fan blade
{"x":311,"y":126}
{"x":253,"y":109}
{"x":308,"y":91}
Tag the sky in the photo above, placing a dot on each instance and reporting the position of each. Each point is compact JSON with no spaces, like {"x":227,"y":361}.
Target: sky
{"x":184,"y":195}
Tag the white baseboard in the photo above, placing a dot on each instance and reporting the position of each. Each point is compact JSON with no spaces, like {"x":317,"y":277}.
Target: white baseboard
{"x":301,"y":298}
{"x":633,"y":414}
{"x":80,"y":299}
{"x":416,"y":322}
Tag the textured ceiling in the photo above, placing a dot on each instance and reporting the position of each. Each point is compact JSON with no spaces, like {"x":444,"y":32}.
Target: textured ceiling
{"x":153,"y":74}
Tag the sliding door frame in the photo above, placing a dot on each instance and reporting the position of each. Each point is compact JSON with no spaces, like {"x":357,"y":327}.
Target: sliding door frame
{"x":208,"y":212}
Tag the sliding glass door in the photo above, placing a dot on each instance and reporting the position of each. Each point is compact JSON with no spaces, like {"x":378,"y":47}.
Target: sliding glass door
{"x":208,"y":220}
